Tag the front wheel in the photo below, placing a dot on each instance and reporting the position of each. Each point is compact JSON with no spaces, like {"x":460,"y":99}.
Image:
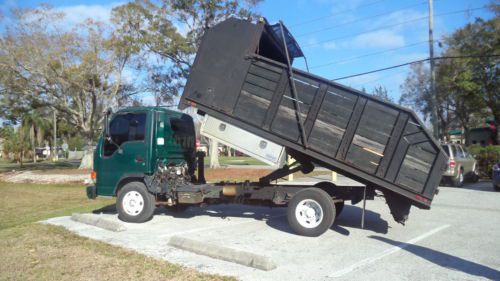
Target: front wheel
{"x":311,"y":212}
{"x":135,"y":203}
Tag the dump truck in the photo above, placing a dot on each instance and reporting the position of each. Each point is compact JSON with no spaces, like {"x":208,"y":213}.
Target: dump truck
{"x":251,"y":98}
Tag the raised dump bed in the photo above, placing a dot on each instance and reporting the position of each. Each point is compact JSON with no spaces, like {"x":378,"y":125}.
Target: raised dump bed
{"x":241,"y":76}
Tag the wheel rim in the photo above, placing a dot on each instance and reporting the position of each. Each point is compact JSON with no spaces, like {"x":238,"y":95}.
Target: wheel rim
{"x":133,"y":203}
{"x":309,"y":213}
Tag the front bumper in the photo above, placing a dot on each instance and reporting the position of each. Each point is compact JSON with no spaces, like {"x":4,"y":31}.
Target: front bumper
{"x":92,"y":192}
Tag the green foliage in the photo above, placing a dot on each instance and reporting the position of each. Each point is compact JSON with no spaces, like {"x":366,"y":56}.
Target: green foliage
{"x":466,"y":88}
{"x":486,"y":157}
{"x":76,"y":142}
{"x":15,"y":143}
{"x":382,"y":93}
{"x":76,"y":70}
{"x":169,"y":32}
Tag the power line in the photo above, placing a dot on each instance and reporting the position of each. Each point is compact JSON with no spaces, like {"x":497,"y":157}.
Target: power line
{"x":415,"y":61}
{"x":393,"y":25}
{"x":361,"y":19}
{"x":368,"y":54}
{"x":335,"y":14}
{"x":379,"y":78}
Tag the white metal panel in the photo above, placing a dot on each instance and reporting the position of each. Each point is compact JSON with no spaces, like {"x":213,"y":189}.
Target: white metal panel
{"x":243,"y":141}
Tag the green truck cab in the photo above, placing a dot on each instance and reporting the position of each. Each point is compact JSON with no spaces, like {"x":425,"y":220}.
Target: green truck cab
{"x":135,"y":143}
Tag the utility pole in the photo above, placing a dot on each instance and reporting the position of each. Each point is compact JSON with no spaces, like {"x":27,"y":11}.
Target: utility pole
{"x":434,"y":103}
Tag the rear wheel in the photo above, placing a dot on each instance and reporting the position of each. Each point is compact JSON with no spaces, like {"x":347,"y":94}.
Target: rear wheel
{"x":311,"y":212}
{"x":135,"y":203}
{"x":475,"y":175}
{"x":458,"y":181}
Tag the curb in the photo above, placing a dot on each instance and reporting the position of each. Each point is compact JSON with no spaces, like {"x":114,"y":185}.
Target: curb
{"x":223,"y":253}
{"x":98,"y":222}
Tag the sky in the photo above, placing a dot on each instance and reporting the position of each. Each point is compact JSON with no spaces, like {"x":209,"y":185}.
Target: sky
{"x":339,"y":38}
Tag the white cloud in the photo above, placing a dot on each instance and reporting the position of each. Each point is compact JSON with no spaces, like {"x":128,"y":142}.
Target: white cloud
{"x":329,"y":45}
{"x":360,"y":81}
{"x":400,"y":17}
{"x":378,"y":39}
{"x":79,"y":13}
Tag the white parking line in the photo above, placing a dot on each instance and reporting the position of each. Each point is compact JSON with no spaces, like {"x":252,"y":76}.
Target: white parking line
{"x":219,"y":226}
{"x":387,"y":252}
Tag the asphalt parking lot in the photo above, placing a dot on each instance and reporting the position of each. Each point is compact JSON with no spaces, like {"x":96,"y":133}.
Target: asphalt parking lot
{"x":458,"y":239}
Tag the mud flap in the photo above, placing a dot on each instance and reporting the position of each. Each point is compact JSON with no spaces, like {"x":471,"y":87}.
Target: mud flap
{"x":399,"y":206}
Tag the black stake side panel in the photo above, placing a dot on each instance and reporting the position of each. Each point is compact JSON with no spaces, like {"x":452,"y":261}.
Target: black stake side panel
{"x":372,"y":141}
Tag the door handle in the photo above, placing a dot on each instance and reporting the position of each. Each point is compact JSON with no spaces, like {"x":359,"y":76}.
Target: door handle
{"x":139,"y":159}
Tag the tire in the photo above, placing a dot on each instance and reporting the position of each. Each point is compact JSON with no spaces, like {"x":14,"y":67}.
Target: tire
{"x":458,"y":181}
{"x":475,"y":176}
{"x":134,"y":203}
{"x":339,"y":206}
{"x":311,"y":212}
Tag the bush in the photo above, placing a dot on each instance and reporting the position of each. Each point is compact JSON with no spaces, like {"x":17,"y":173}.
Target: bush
{"x":76,"y":143}
{"x":486,"y":157}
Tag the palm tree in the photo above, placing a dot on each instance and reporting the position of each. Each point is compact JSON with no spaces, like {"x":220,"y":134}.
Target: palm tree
{"x":36,"y":124}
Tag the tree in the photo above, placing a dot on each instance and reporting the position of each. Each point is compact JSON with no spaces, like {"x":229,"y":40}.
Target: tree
{"x":382,"y":93}
{"x":455,"y":80}
{"x":15,"y":143}
{"x":75,"y":71}
{"x":416,"y":94}
{"x":167,"y":34}
{"x":481,"y":41}
{"x":35,"y":124}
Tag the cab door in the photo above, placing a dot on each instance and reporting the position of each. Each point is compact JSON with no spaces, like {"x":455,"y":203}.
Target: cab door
{"x":127,"y":152}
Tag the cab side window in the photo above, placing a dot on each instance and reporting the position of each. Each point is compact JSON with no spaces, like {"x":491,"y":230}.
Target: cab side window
{"x":124,"y":128}
{"x":460,"y":153}
{"x":454,"y":151}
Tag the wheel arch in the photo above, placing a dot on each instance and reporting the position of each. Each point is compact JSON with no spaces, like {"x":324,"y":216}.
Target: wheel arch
{"x":127,"y":179}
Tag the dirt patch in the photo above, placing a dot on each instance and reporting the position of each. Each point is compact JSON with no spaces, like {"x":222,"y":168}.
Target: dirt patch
{"x":45,"y":177}
{"x":236,"y":174}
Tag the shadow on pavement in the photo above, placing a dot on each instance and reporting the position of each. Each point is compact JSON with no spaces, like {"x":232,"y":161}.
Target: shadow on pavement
{"x":275,"y":217}
{"x":109,"y":209}
{"x":485,"y":185}
{"x":444,"y":260}
{"x":351,"y":217}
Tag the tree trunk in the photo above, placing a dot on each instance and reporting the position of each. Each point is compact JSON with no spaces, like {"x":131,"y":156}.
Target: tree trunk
{"x":88,"y":158}
{"x":214,"y":154}
{"x":466,"y":135}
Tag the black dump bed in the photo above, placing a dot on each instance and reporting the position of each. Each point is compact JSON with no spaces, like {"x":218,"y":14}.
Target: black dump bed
{"x":240,"y":75}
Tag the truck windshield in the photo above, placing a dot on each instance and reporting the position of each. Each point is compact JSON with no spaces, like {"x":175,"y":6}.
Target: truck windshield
{"x":124,"y":128}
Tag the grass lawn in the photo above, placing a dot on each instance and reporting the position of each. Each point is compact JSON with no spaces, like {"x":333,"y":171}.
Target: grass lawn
{"x":239,"y":160}
{"x":32,"y":251}
{"x":7,"y":166}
